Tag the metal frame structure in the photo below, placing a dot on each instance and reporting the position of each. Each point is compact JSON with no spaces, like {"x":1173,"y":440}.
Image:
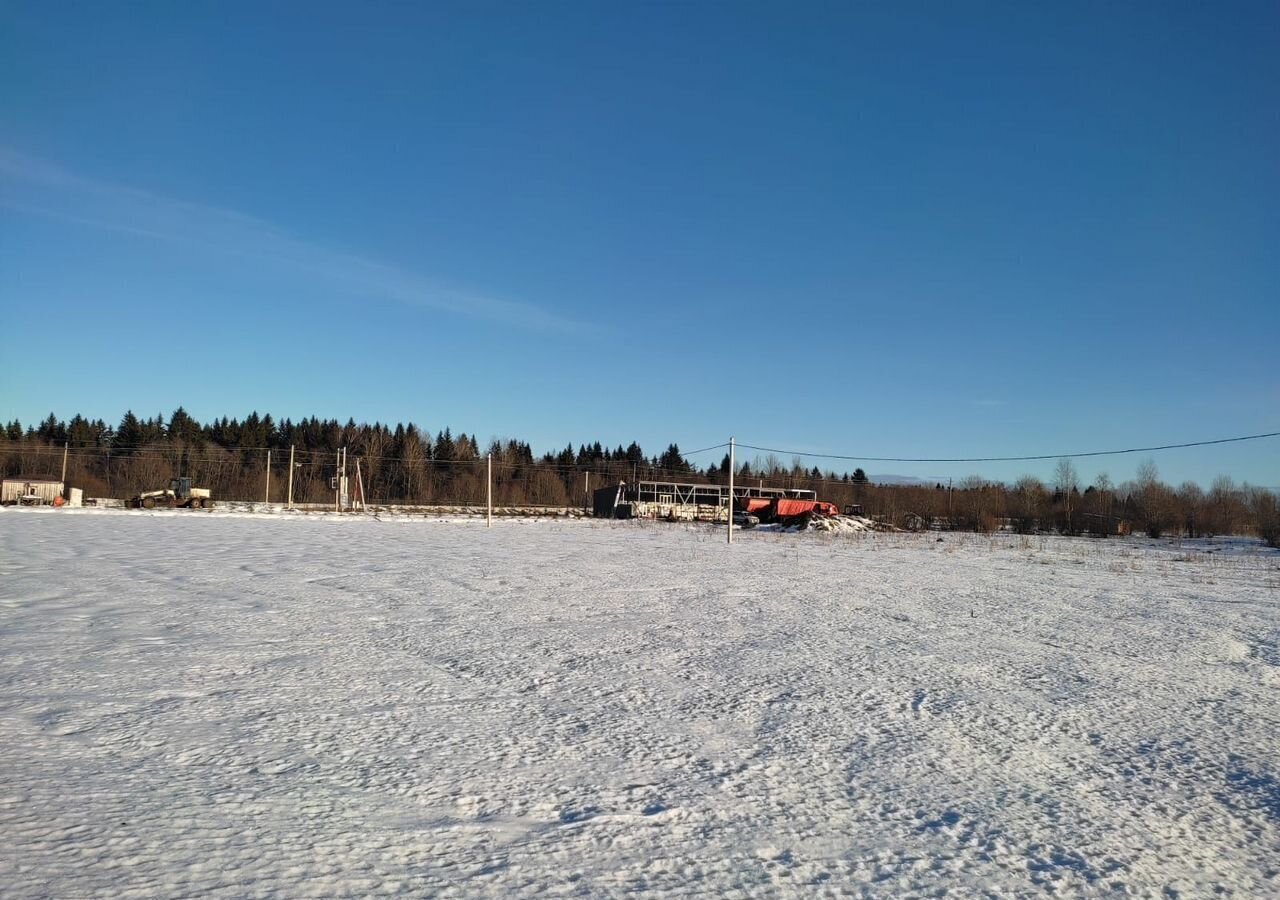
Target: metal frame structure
{"x":681,"y":500}
{"x":705,"y":494}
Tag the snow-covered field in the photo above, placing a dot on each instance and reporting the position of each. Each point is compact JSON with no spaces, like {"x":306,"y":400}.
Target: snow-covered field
{"x":195,"y":704}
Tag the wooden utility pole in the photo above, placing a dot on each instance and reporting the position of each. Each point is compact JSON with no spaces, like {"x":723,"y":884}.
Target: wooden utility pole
{"x":291,"y":476}
{"x":267,"y":496}
{"x":731,"y":467}
{"x":64,"y":464}
{"x":489,"y":491}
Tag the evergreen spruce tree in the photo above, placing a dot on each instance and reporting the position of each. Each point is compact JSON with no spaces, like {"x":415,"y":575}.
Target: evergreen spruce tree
{"x":128,"y":433}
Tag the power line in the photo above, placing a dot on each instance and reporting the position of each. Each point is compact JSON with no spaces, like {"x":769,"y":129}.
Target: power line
{"x":217,"y":453}
{"x":703,"y":450}
{"x":966,"y":459}
{"x":213,"y":452}
{"x":233,"y":458}
{"x":212,"y":448}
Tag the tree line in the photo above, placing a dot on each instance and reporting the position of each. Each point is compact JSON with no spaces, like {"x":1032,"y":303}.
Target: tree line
{"x":249,"y":459}
{"x":236,"y":458}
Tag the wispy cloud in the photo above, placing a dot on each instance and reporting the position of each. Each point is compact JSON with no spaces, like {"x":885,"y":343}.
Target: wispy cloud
{"x":36,"y":187}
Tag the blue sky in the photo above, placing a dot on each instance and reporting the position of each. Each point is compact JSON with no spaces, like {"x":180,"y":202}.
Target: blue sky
{"x":904,"y":230}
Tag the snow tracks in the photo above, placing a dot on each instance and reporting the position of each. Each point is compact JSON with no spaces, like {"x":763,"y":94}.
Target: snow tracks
{"x":244,"y":708}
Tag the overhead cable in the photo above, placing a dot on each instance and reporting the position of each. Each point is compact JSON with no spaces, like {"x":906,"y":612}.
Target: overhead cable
{"x":1043,"y":456}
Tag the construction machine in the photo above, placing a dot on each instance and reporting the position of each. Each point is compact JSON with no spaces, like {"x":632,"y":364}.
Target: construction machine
{"x":178,"y":495}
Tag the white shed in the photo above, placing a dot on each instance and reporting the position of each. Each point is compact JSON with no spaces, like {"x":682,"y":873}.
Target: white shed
{"x":30,"y":491}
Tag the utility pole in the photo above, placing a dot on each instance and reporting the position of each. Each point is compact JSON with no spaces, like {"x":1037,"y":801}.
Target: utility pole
{"x":731,"y":468}
{"x":586,"y":491}
{"x":267,"y":497}
{"x":291,"y":476}
{"x":64,"y":464}
{"x":950,"y":514}
{"x":337,"y":484}
{"x":489,"y":491}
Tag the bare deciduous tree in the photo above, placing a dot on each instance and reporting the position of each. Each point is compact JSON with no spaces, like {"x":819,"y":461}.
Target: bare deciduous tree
{"x":1067,"y":483}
